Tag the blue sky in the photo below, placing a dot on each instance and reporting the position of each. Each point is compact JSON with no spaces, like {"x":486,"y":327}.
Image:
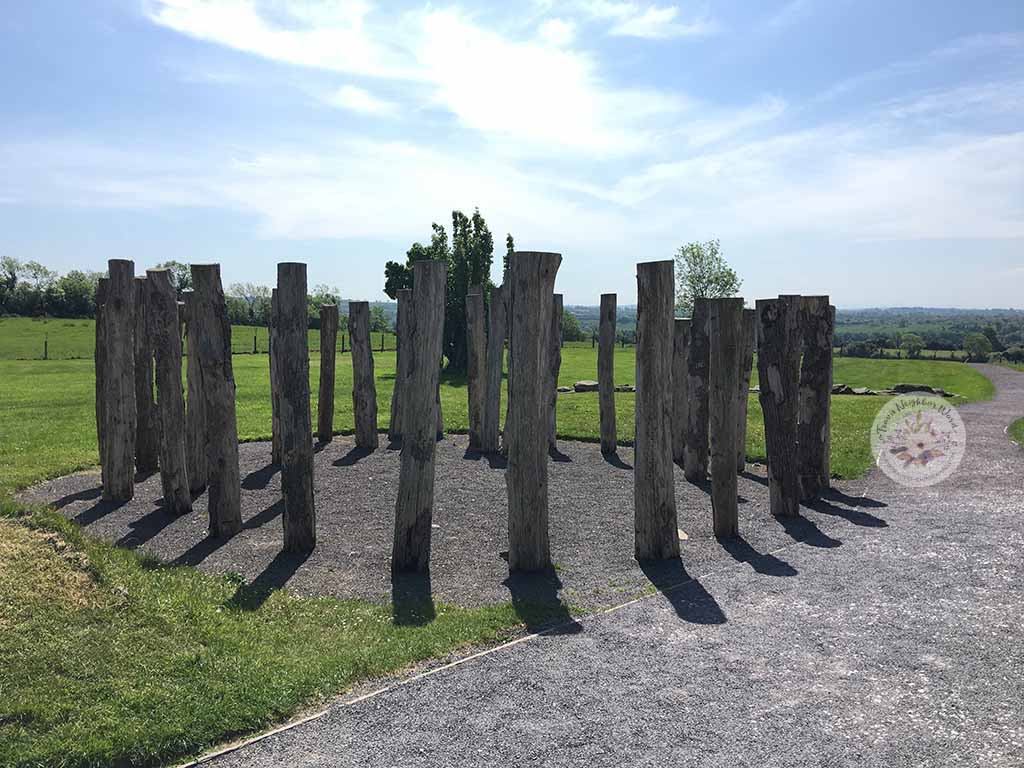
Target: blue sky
{"x":870,"y":150}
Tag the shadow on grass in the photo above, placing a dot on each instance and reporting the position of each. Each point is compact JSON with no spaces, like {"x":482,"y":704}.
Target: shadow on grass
{"x":537,"y":604}
{"x":412,"y":603}
{"x":765,"y":563}
{"x":686,"y":595}
{"x":249,"y":597}
{"x":259,"y":479}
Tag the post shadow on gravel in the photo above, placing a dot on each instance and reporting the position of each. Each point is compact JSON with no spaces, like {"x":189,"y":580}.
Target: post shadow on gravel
{"x":260,"y":478}
{"x":855,"y":516}
{"x":806,"y":532}
{"x":537,"y":604}
{"x":686,"y":595}
{"x":557,"y":456}
{"x":834,"y":494}
{"x":87,"y":494}
{"x":146,"y":528}
{"x":412,"y":602}
{"x":249,"y":597}
{"x":100,"y":509}
{"x":762,"y":562}
{"x":616,"y":461}
{"x":494,"y":460}
{"x":354,"y":455}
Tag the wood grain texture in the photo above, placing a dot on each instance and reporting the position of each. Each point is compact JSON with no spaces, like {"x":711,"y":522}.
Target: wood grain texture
{"x":147,"y":431}
{"x":195,"y":407}
{"x":695,"y":457}
{"x":496,"y":332}
{"x":606,"y":373}
{"x":476,"y":368}
{"x":532,"y":279}
{"x":299,"y":517}
{"x":778,"y":369}
{"x":119,"y":382}
{"x":748,"y":330}
{"x":680,"y":399}
{"x":656,"y":533}
{"x":165,"y":330}
{"x":275,"y":383}
{"x":328,"y":343}
{"x":213,"y":341}
{"x":414,"y":507}
{"x":404,"y":298}
{"x":817,"y":326}
{"x":364,"y":386}
{"x":725,"y":321}
{"x":100,"y":365}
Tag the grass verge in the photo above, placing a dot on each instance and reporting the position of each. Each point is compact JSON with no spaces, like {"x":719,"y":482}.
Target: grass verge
{"x":1016,"y":431}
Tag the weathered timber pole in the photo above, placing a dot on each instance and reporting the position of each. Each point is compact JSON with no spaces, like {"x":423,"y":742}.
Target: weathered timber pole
{"x":656,"y":532}
{"x":725,"y":320}
{"x":275,"y":383}
{"x":496,"y":329}
{"x":816,"y":330}
{"x":213,"y":344}
{"x":100,"y":363}
{"x":119,"y":382}
{"x":401,"y":369}
{"x":292,"y":349}
{"x":415,"y":504}
{"x":364,"y":388}
{"x":554,"y":366}
{"x":325,"y":402}
{"x":162,"y":306}
{"x":695,"y":459}
{"x":508,"y":359}
{"x":748,"y":330}
{"x":147,"y":435}
{"x":680,"y":401}
{"x":532,"y":279}
{"x":778,"y":370}
{"x":195,"y":411}
{"x":476,"y":359}
{"x":606,"y":373}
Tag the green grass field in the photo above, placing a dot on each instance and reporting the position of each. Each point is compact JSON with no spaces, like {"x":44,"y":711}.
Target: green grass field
{"x":1016,"y":431}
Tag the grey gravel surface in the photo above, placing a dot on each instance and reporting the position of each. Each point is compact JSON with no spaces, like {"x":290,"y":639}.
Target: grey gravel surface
{"x":885,"y":630}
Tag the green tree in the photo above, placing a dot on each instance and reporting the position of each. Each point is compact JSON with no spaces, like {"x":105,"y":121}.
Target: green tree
{"x":9,"y":269}
{"x":993,"y":337}
{"x":181,"y":275}
{"x":78,"y":291}
{"x":378,"y":320}
{"x":702,"y":273}
{"x":256,"y":299}
{"x":510,"y":248}
{"x":977,"y":346}
{"x":571,"y":329}
{"x":912,"y":344}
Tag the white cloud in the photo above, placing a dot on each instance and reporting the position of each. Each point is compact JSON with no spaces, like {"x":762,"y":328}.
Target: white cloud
{"x":557,"y":31}
{"x":653,"y":22}
{"x":359,"y":100}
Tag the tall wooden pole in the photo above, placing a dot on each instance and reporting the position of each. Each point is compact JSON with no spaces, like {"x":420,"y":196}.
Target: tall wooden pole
{"x":815,"y":414}
{"x":778,"y":370}
{"x":528,"y":426}
{"x":415,"y":503}
{"x":401,"y":372}
{"x":695,"y":459}
{"x":724,"y":329}
{"x":654,"y":498}
{"x":162,"y":306}
{"x":147,"y":435}
{"x":748,"y":331}
{"x":364,"y":387}
{"x":276,"y":451}
{"x":119,"y":382}
{"x":476,"y":358}
{"x":606,"y":373}
{"x":680,"y":400}
{"x":328,"y":342}
{"x":496,"y":331}
{"x":554,"y":366}
{"x":292,"y":350}
{"x":213,"y":342}
{"x":100,"y":364}
{"x":195,"y":411}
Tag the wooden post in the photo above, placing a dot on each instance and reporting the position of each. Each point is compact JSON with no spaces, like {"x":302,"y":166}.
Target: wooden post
{"x":213,"y":343}
{"x":509,"y":362}
{"x":748,"y":331}
{"x":292,"y":348}
{"x":725,"y":320}
{"x":656,"y":532}
{"x":325,"y":402}
{"x":195,"y":412}
{"x":476,"y":364}
{"x":422,"y":351}
{"x":364,"y":388}
{"x":275,"y":383}
{"x":554,"y":366}
{"x":496,"y":328}
{"x":401,"y":373}
{"x":100,"y":363}
{"x":680,"y":401}
{"x":147,"y":436}
{"x":528,"y":426}
{"x":695,"y":458}
{"x":606,"y":373}
{"x":778,"y":369}
{"x":162,"y":309}
{"x":119,"y":382}
{"x":817,"y":326}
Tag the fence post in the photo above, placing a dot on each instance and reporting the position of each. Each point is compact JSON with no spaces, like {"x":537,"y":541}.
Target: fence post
{"x":364,"y":388}
{"x":414,"y":506}
{"x":656,"y":532}
{"x":606,"y":373}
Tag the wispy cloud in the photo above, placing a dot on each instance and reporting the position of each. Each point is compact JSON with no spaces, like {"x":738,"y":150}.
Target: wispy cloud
{"x":630,"y":19}
{"x":357,"y":99}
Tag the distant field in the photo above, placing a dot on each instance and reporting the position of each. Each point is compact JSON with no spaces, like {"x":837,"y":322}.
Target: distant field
{"x":23,"y":338}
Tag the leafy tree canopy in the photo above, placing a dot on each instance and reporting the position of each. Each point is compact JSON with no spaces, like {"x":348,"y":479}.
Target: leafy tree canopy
{"x":702,"y":273}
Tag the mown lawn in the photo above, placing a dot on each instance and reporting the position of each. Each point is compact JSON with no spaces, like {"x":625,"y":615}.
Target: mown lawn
{"x":1016,"y":431}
